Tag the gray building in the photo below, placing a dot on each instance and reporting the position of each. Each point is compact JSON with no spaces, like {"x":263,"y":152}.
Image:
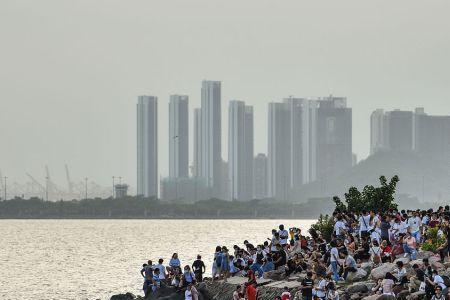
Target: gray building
{"x":278,"y":152}
{"x":178,"y":136}
{"x":334,"y":137}
{"x":260,"y":177}
{"x":240,"y":150}
{"x":211,"y":138}
{"x":197,"y":164}
{"x":147,"y":146}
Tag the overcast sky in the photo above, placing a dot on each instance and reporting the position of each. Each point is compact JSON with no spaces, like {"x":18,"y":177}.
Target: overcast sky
{"x":70,"y":71}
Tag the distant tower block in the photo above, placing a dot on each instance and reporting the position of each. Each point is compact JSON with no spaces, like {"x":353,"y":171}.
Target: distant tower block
{"x":121,"y":190}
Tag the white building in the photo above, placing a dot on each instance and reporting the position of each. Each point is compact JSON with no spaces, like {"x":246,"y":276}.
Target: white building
{"x":211,"y":135}
{"x":178,"y":136}
{"x":240,"y":150}
{"x":147,"y":146}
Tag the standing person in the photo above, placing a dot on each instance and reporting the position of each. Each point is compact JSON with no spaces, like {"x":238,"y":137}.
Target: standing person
{"x":321,"y":287}
{"x":156,"y":281}
{"x":225,"y":263}
{"x":415,"y":224}
{"x":339,"y":227}
{"x":385,"y":225}
{"x":307,"y":286}
{"x":409,"y":246}
{"x":334,"y":256}
{"x":251,"y":293}
{"x":284,"y":236}
{"x":217,"y":263}
{"x":364,"y":222}
{"x":162,"y":269}
{"x":198,"y":266}
{"x":188,"y":276}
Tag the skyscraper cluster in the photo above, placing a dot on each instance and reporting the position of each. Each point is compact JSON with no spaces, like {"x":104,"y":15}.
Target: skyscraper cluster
{"x":417,"y":131}
{"x":308,"y":139}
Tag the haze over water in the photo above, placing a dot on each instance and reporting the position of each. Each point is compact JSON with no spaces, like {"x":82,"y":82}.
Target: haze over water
{"x":95,"y":259}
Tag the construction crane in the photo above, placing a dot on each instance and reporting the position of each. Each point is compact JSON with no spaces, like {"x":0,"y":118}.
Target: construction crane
{"x":69,"y":182}
{"x":35,"y":182}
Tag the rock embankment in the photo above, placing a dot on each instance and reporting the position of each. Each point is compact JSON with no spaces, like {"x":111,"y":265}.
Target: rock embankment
{"x":358,"y":287}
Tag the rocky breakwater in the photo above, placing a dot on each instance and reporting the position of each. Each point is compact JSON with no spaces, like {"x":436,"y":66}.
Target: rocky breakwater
{"x":359,"y":285}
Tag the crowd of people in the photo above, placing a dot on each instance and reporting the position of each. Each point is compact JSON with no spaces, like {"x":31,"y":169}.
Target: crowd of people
{"x":327,"y":261}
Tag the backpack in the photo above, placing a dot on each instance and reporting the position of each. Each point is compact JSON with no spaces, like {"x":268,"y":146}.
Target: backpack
{"x":446,"y":280}
{"x":219,"y":260}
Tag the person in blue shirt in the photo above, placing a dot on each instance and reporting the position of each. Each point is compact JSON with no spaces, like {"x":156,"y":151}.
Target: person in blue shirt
{"x":268,"y":265}
{"x":188,"y":276}
{"x":174,"y":265}
{"x":156,"y":281}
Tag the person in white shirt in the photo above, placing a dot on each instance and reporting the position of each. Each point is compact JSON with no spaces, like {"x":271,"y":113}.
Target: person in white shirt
{"x":162,"y":269}
{"x":321,"y":288}
{"x":284,"y":235}
{"x":339,"y":227}
{"x":414,"y":224}
{"x":437,"y":280}
{"x":334,"y":256}
{"x":364,"y":224}
{"x":188,"y":293}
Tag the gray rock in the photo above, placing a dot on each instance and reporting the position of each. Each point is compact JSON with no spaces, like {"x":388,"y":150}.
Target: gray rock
{"x":424,"y":254}
{"x":127,"y":296}
{"x":359,"y":275}
{"x":359,"y":287}
{"x":380,"y":272}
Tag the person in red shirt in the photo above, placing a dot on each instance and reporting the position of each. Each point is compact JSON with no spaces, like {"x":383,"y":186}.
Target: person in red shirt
{"x":251,"y":292}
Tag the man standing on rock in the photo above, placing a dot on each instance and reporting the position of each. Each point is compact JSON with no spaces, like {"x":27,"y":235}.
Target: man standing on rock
{"x":199,"y":268}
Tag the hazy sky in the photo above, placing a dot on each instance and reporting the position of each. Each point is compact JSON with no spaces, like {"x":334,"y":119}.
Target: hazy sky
{"x":70,"y":71}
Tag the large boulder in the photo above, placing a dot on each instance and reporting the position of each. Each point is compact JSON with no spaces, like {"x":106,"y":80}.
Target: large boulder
{"x":405,"y":260}
{"x":359,"y":275}
{"x":366,"y":266}
{"x":436,"y":264}
{"x":359,"y":287}
{"x":371,"y":297}
{"x":127,"y":296}
{"x":275,"y":275}
{"x":380,"y":272}
{"x":424,"y":254}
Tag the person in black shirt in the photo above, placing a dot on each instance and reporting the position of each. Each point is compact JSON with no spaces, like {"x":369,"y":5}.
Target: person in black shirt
{"x":281,"y":257}
{"x":199,"y":268}
{"x":307,"y":286}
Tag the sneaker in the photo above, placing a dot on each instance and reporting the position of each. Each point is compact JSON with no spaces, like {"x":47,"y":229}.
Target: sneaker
{"x":405,"y":255}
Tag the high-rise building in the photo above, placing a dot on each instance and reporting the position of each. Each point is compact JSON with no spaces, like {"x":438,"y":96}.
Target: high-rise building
{"x":279,"y":151}
{"x":432,"y":136}
{"x":211,"y":135}
{"x":260,"y":187}
{"x":240,"y":150}
{"x":147,"y":146}
{"x":303,"y":120}
{"x":178,"y":136}
{"x":378,"y":131}
{"x":197,"y":165}
{"x":334,"y":137}
{"x":400,"y":123}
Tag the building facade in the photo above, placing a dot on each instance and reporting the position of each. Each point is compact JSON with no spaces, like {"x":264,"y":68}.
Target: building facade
{"x":260,"y":177}
{"x":178,"y":136}
{"x":211,"y":138}
{"x":147,"y":146}
{"x":240,"y":150}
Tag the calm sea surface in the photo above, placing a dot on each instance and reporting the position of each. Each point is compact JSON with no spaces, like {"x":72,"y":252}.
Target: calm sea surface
{"x":94,"y":259}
